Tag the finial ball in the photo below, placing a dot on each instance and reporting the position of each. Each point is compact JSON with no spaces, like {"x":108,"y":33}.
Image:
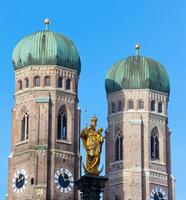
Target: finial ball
{"x":47,"y":21}
{"x":137,"y":46}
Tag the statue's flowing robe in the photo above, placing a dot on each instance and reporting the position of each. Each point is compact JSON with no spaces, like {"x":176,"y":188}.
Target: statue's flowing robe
{"x":92,"y":142}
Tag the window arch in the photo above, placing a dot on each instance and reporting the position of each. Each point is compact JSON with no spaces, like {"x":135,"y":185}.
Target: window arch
{"x":47,"y":81}
{"x":68,"y":84}
{"x":26,"y":82}
{"x":154,"y":144}
{"x":36,"y":81}
{"x":140,"y":104}
{"x":119,"y":106}
{"x":152,"y":105}
{"x":119,"y":148}
{"x":62,"y":124}
{"x":59,"y":82}
{"x":20,"y":85}
{"x":130,"y":104}
{"x":113,"y":107}
{"x":25,"y":127}
{"x":32,"y":181}
{"x":160,"y":107}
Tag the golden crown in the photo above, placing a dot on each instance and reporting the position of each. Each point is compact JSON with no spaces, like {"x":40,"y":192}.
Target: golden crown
{"x":94,"y":119}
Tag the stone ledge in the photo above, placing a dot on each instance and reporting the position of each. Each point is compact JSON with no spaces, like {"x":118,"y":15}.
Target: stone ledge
{"x":22,"y":142}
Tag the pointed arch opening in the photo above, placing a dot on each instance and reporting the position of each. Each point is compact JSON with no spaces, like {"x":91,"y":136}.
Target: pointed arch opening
{"x":25,"y":127}
{"x":154,"y":144}
{"x":119,"y":147}
{"x":62,"y":124}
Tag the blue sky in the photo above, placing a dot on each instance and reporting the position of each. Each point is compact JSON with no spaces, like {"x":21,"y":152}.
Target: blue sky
{"x":104,"y":32}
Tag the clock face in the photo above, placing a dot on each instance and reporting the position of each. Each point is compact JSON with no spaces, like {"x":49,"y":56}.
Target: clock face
{"x":64,"y":180}
{"x":19,"y":181}
{"x":158,"y":194}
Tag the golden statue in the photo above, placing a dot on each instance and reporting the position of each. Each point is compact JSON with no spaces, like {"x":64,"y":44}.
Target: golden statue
{"x":92,"y":142}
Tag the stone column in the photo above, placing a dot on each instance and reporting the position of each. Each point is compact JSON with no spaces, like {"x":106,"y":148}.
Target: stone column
{"x":91,"y":187}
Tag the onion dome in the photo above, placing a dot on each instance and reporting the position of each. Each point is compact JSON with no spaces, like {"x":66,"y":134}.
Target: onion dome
{"x":137,"y":72}
{"x":46,"y":48}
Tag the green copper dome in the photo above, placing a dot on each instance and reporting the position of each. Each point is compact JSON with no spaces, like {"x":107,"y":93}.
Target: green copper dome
{"x":137,"y":72}
{"x":46,"y":48}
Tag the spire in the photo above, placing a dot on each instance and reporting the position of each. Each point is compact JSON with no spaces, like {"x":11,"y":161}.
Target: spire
{"x":137,"y":47}
{"x":47,"y":22}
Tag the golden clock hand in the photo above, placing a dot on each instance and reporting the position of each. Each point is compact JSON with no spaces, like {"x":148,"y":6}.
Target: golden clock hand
{"x":156,"y":195}
{"x":159,"y":197}
{"x":65,"y":179}
{"x":68,"y":179}
{"x":20,"y":179}
{"x":62,"y":174}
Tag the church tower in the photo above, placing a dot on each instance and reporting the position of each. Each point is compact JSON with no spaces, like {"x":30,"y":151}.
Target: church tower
{"x":138,"y":159}
{"x":45,"y":159}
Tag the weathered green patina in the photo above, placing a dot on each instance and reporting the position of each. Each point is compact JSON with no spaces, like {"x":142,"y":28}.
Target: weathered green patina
{"x":46,"y":48}
{"x":137,"y":72}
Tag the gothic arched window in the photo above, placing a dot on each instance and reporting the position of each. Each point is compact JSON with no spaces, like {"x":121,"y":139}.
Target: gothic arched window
{"x":59,"y":82}
{"x":119,"y":148}
{"x":20,"y":84}
{"x":25,"y":127}
{"x":130,"y":104}
{"x":152,"y":105}
{"x":26,"y":82}
{"x":160,"y":107}
{"x":154,"y":144}
{"x":140,"y":104}
{"x":113,"y":107}
{"x":119,"y":106}
{"x":68,"y":82}
{"x":47,"y":81}
{"x":62,"y":124}
{"x":36,"y":81}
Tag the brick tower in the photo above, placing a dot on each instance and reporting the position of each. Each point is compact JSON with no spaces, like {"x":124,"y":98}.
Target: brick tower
{"x":138,"y":161}
{"x":45,"y":159}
